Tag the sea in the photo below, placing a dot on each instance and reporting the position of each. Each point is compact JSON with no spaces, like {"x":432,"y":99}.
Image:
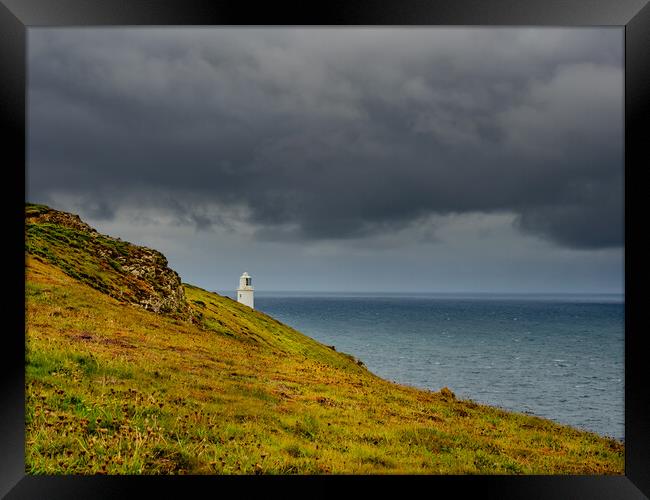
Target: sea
{"x":555,"y":356}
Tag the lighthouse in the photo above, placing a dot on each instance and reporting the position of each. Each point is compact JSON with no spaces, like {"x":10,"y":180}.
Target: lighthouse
{"x":245,"y":290}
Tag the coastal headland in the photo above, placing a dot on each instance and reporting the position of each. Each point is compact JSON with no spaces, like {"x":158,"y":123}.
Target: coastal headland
{"x":131,"y":371}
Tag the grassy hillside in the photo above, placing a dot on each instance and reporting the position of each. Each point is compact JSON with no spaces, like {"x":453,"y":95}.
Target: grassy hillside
{"x":115,"y":388}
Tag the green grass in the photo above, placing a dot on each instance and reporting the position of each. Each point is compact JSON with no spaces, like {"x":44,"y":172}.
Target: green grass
{"x":112,"y":388}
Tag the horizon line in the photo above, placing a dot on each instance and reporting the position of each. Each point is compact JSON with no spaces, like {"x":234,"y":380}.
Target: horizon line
{"x":463,"y":292}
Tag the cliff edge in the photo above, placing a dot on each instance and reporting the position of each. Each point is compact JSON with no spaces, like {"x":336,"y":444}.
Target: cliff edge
{"x":127,"y":272}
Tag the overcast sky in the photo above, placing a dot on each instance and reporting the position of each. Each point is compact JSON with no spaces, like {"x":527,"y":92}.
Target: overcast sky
{"x":354,"y":159}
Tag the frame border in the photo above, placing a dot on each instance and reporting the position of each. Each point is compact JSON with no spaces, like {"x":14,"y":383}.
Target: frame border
{"x":634,"y":15}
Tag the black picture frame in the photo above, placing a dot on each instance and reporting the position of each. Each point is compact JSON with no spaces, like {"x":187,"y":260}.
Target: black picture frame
{"x":18,"y":15}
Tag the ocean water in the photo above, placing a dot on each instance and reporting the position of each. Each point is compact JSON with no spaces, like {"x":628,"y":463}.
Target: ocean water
{"x":559,"y":357}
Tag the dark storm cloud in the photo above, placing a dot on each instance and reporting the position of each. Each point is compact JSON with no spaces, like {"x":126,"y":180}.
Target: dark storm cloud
{"x":333,"y":133}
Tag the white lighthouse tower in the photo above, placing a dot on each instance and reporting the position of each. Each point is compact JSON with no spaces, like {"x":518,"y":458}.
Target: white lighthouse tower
{"x":245,"y":290}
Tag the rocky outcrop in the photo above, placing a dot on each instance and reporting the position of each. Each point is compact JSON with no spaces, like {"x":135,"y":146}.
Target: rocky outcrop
{"x":127,"y":272}
{"x":40,"y":214}
{"x":149,"y":267}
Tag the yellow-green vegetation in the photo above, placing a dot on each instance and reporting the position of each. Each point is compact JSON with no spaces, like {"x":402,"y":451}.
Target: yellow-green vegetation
{"x":114,"y":388}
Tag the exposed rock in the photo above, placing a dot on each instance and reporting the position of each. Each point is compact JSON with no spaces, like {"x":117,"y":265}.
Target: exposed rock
{"x":40,"y":214}
{"x":447,"y":394}
{"x":127,"y":272}
{"x":166,"y":293}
